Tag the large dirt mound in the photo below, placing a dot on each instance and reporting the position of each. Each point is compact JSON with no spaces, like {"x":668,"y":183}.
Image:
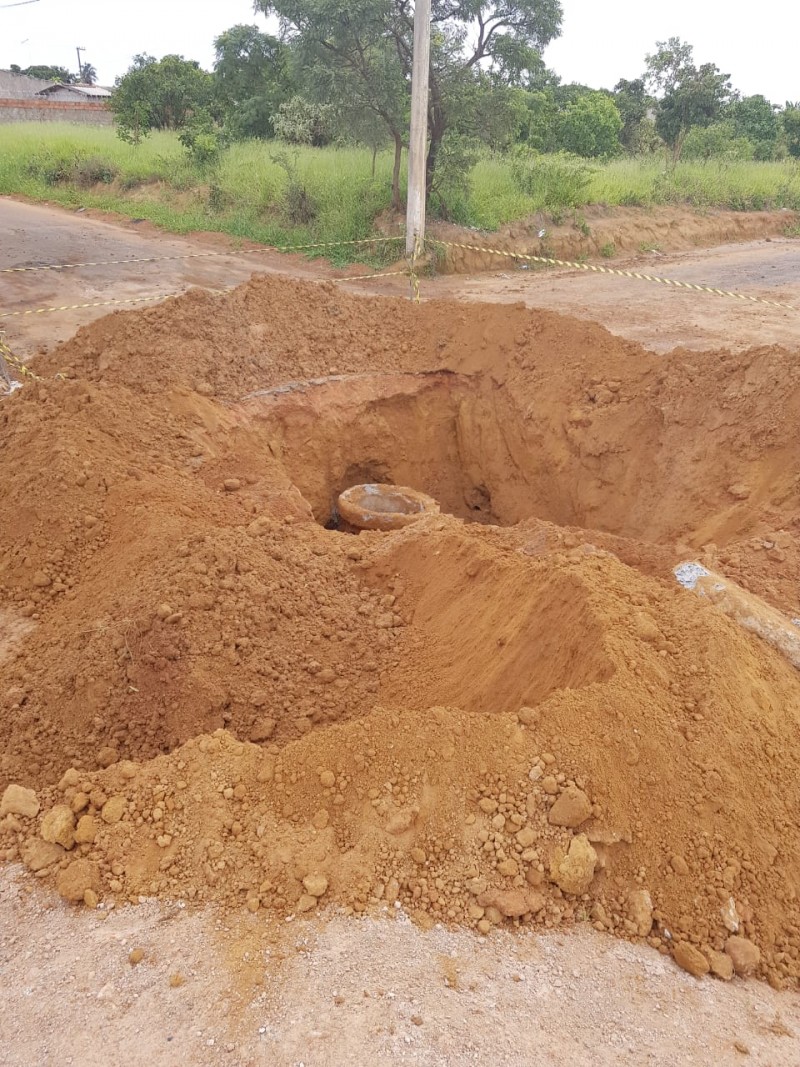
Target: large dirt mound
{"x":509,"y":712}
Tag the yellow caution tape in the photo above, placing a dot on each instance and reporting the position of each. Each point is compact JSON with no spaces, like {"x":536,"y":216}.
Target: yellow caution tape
{"x":597,"y":269}
{"x":410,"y":271}
{"x":17,"y":364}
{"x":366,"y":277}
{"x":202,"y":255}
{"x":72,"y":307}
{"x":166,"y":296}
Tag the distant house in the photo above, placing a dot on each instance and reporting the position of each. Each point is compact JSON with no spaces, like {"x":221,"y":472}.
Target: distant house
{"x":57,"y":91}
{"x":24,"y":99}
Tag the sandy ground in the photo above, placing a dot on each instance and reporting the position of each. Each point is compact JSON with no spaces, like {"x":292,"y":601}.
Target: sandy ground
{"x":229,"y":990}
{"x":221,"y":989}
{"x":655,"y":315}
{"x":659,"y":317}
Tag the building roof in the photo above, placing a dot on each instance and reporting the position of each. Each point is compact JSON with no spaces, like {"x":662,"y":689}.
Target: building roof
{"x":90,"y":92}
{"x":20,"y":86}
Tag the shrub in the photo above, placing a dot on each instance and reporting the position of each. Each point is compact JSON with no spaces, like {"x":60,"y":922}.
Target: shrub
{"x":558,"y":181}
{"x":718,"y":141}
{"x":94,"y":171}
{"x":590,"y":126}
{"x":203,"y":140}
{"x":452,"y":183}
{"x":301,"y":122}
{"x":51,"y":168}
{"x":218,"y":199}
{"x":72,"y":169}
{"x":300,"y":207}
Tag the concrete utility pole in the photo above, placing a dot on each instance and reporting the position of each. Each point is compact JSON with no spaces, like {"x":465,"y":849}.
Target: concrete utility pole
{"x":418,"y":141}
{"x":80,"y":65}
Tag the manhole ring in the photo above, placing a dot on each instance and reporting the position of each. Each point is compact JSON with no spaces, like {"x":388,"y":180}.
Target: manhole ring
{"x":377,"y":506}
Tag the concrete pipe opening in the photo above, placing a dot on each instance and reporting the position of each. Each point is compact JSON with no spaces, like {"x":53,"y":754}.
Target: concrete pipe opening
{"x":377,"y":506}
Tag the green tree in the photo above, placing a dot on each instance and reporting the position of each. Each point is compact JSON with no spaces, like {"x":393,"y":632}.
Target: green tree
{"x":590,"y":126}
{"x":490,"y":114}
{"x":633,"y":103}
{"x":541,"y":126}
{"x":253,"y":78}
{"x":88,"y":74}
{"x":500,"y":116}
{"x":349,"y":61}
{"x":502,"y":37}
{"x":687,"y":95}
{"x":756,"y":119}
{"x":159,"y":95}
{"x":45,"y":73}
{"x":790,"y":120}
{"x":203,"y":139}
{"x":718,"y":141}
{"x":567,"y":93}
{"x":515,"y":63}
{"x":355,"y":126}
{"x":362,"y":49}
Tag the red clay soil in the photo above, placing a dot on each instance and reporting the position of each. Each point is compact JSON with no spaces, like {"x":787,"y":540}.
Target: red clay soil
{"x":596,"y":230}
{"x":507,"y":713}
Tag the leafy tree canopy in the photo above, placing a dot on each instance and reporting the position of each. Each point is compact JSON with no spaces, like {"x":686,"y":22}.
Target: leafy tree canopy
{"x":253,"y":78}
{"x":756,"y":119}
{"x":361,"y":50}
{"x":159,"y":94}
{"x":88,"y":74}
{"x":300,"y":121}
{"x":634,"y":103}
{"x":687,"y":95}
{"x":791,"y":128}
{"x":590,"y":126}
{"x":45,"y":73}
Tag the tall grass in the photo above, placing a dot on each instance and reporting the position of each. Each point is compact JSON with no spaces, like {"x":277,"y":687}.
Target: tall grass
{"x":245,"y":195}
{"x":739,"y":185}
{"x":249,"y":193}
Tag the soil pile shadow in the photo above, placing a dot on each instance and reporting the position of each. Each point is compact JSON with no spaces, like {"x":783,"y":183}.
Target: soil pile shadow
{"x":484,"y":717}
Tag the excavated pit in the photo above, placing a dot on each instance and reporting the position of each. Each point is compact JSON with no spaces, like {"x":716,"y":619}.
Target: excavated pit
{"x":217,"y":699}
{"x":404,"y":429}
{"x":489,"y":454}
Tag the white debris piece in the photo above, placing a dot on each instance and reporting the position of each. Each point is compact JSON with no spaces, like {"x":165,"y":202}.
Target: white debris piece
{"x":688,"y":573}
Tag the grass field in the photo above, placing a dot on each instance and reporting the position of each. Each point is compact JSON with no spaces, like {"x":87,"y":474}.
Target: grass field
{"x":331,"y":194}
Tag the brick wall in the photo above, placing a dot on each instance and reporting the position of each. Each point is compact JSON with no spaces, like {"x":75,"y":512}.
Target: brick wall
{"x":38,"y":110}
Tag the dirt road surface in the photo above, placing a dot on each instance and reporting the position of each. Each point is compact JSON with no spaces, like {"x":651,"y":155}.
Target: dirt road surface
{"x":655,"y":315}
{"x":212,"y":989}
{"x":34,"y":235}
{"x":659,"y":317}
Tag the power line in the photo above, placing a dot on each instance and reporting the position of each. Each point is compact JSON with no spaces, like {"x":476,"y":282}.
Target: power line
{"x":20,"y":3}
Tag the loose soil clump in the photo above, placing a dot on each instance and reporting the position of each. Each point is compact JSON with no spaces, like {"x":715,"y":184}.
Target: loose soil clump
{"x":506,"y":713}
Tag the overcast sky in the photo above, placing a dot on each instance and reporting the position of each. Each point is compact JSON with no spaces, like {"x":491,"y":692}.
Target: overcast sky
{"x":601,"y":42}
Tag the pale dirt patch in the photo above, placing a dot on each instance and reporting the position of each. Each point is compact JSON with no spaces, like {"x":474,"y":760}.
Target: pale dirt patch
{"x":13,"y":630}
{"x":355,"y":992}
